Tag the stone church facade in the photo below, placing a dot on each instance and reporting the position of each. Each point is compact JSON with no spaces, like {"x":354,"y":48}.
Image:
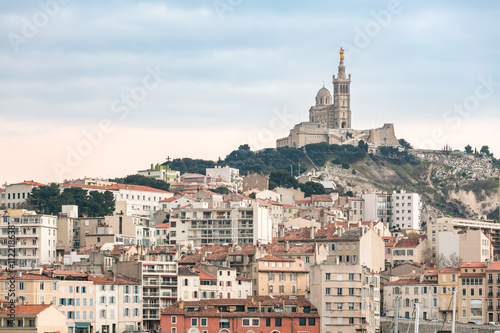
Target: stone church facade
{"x":330,"y":119}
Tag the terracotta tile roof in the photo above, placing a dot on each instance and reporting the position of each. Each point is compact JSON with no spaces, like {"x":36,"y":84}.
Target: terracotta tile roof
{"x":321,"y":197}
{"x":251,"y":301}
{"x":307,"y":200}
{"x":216,"y":256}
{"x":190,"y":259}
{"x":71,"y":273}
{"x":2,"y":189}
{"x":110,"y":280}
{"x":204,"y":275}
{"x":27,"y":276}
{"x":163,"y":225}
{"x":274,"y":258}
{"x":473,"y":265}
{"x":450,"y":270}
{"x":495,"y":266}
{"x":409,"y":242}
{"x":30,"y":182}
{"x":403,"y":281}
{"x":277,"y":249}
{"x":170,"y":199}
{"x":115,"y":187}
{"x":30,"y":309}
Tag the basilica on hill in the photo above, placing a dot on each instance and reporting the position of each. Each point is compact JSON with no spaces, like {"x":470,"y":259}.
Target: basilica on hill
{"x":330,"y":120}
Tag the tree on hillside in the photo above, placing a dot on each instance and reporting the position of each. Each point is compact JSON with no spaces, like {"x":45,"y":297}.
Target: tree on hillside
{"x":45,"y":199}
{"x":427,"y":257}
{"x":405,"y":144}
{"x":282,"y":178}
{"x":310,"y":188}
{"x":468,"y":149}
{"x":49,"y":200}
{"x":143,"y":181}
{"x":485,"y":150}
{"x":222,"y":190}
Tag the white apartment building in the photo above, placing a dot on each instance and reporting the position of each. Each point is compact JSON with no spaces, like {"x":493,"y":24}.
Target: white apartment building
{"x":16,"y":194}
{"x":158,"y":276}
{"x":36,"y":238}
{"x":212,"y":282}
{"x":348,"y":297}
{"x":400,"y":209}
{"x":227,"y":174}
{"x":406,"y":210}
{"x":118,"y":304}
{"x":237,"y":223}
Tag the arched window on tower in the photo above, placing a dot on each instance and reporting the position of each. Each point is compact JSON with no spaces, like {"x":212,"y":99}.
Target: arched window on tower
{"x":347,"y":89}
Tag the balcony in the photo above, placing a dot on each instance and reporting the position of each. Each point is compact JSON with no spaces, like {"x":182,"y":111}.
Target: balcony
{"x":490,"y":280}
{"x":151,"y":316}
{"x":151,"y":294}
{"x":169,"y":295}
{"x":151,"y":306}
{"x":490,"y":307}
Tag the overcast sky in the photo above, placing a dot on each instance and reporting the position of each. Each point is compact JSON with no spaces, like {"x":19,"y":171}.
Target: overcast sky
{"x":102,"y":89}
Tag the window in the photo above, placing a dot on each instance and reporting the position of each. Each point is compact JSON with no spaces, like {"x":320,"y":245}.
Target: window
{"x":268,"y":322}
{"x":277,"y":322}
{"x":327,"y":291}
{"x":302,"y":321}
{"x":351,"y":277}
{"x":328,"y":306}
{"x":339,"y":291}
{"x":351,"y":291}
{"x":203,"y":322}
{"x":173,"y":320}
{"x":173,"y":330}
{"x":194,"y":321}
{"x":327,"y":276}
{"x":351,"y":306}
{"x":311,"y":321}
{"x":224,"y":323}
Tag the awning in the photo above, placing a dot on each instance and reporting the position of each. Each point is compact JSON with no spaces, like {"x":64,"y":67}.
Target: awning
{"x":81,"y":325}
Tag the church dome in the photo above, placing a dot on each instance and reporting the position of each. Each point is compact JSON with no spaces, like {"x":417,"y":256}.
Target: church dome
{"x":323,"y":92}
{"x":323,"y":97}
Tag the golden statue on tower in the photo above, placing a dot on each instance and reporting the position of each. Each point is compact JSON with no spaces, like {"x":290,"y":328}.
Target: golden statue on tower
{"x":341,"y":54}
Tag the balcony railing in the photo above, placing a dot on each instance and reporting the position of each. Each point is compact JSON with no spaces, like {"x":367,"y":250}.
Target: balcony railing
{"x":151,"y":306}
{"x":490,"y":280}
{"x":490,"y":307}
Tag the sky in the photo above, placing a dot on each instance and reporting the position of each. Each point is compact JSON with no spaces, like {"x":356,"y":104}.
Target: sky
{"x":103,"y":89}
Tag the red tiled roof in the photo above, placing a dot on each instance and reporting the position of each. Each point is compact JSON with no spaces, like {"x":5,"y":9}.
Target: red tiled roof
{"x":274,"y":258}
{"x":27,"y":276}
{"x":163,"y":225}
{"x":409,"y":242}
{"x":473,"y":265}
{"x":495,"y":266}
{"x":30,"y":309}
{"x":72,"y":273}
{"x":110,"y":280}
{"x":204,"y":275}
{"x":450,"y":270}
{"x":30,"y":182}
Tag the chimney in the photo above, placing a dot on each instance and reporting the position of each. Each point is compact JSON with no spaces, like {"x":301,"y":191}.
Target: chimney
{"x":311,"y":231}
{"x":362,"y":231}
{"x":181,"y":305}
{"x":287,"y":246}
{"x":371,"y":224}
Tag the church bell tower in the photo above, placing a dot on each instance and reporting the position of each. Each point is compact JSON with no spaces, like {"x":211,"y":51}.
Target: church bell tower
{"x":342,"y":96}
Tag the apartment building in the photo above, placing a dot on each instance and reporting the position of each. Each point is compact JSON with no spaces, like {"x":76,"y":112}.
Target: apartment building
{"x":227,"y":174}
{"x":470,"y":245}
{"x":32,"y":318}
{"x":471,"y":298}
{"x":31,"y":288}
{"x":210,"y":282}
{"x":448,"y":281}
{"x":36,"y":237}
{"x":161,"y":172}
{"x":157,"y":273}
{"x":493,"y":295}
{"x":456,"y":225}
{"x":347,"y":296}
{"x":17,"y":194}
{"x":408,"y":250}
{"x":290,"y":314}
{"x":236,"y":223}
{"x":76,"y":300}
{"x":279,"y":276}
{"x":118,"y":304}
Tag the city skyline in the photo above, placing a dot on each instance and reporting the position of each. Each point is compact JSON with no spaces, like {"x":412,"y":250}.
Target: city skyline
{"x":128,"y":84}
